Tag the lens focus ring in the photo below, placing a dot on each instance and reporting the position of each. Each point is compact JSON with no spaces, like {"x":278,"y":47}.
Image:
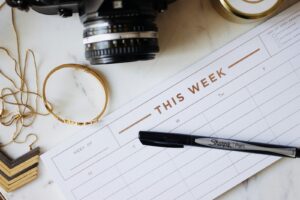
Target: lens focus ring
{"x":120,"y":40}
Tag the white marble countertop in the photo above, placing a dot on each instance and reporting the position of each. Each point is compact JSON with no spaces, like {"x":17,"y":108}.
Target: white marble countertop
{"x":189,"y":30}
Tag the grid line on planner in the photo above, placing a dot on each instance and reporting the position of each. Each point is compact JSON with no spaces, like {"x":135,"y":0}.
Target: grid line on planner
{"x":181,"y":80}
{"x":230,"y":109}
{"x":209,"y":164}
{"x":263,"y":131}
{"x":207,"y":65}
{"x":217,"y":90}
{"x":229,"y":67}
{"x":161,"y":177}
{"x":55,"y":164}
{"x":209,"y":150}
{"x":208,"y":121}
{"x":256,"y":65}
{"x":266,"y":157}
{"x":262,"y":41}
{"x":259,"y":107}
{"x":235,"y":92}
{"x":124,"y":179}
{"x":258,"y":134}
{"x":182,"y":124}
{"x":255,"y":109}
{"x":244,"y":73}
{"x":227,"y":153}
{"x":101,"y":159}
{"x":247,"y":155}
{"x":231,"y":178}
{"x":252,"y":124}
{"x":58,"y":169}
{"x":268,"y":128}
{"x":248,"y":84}
{"x":176,"y":170}
{"x":288,"y":33}
{"x":113,"y":135}
{"x":108,"y":168}
{"x":217,"y":172}
{"x":163,"y":121}
{"x":201,"y":68}
{"x":91,"y":134}
{"x":179,"y":172}
{"x":165,"y":162}
{"x":97,"y":153}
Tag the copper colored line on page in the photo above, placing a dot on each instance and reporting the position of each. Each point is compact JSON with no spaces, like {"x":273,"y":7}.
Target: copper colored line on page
{"x":135,"y":123}
{"x":244,"y":58}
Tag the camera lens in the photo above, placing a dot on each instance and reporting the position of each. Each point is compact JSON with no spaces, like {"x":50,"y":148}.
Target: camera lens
{"x":115,"y":31}
{"x":123,"y":36}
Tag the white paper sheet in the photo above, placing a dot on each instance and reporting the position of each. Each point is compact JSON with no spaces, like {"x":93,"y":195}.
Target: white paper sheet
{"x":248,"y":90}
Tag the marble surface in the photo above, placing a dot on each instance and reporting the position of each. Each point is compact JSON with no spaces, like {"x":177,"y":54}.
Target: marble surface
{"x":189,"y":30}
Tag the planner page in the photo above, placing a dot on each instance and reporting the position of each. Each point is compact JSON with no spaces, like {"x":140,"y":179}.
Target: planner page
{"x":247,"y":90}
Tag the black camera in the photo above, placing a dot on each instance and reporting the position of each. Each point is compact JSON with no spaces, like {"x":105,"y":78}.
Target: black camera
{"x":115,"y":31}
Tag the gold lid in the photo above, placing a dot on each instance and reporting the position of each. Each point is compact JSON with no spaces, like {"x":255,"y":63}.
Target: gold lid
{"x":246,"y":10}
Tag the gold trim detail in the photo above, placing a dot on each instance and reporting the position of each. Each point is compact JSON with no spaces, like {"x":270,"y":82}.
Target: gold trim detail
{"x":228,"y":11}
{"x":226,"y":4}
{"x":253,"y":2}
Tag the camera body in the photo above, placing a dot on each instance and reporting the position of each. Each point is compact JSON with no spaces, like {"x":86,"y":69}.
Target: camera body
{"x":115,"y":31}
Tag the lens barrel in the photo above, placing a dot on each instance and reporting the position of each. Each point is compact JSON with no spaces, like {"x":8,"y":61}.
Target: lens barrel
{"x":121,"y":37}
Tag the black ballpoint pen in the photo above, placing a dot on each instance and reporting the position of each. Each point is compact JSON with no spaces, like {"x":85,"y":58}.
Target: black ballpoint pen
{"x":175,"y":140}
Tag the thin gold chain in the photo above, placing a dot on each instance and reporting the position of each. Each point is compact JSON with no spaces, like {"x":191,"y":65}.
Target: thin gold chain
{"x":16,"y":108}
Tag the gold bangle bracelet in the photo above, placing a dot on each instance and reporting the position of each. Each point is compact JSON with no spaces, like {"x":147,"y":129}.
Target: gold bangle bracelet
{"x":85,"y":69}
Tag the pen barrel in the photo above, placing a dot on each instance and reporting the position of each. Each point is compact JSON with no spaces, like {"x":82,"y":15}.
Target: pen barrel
{"x":242,"y":146}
